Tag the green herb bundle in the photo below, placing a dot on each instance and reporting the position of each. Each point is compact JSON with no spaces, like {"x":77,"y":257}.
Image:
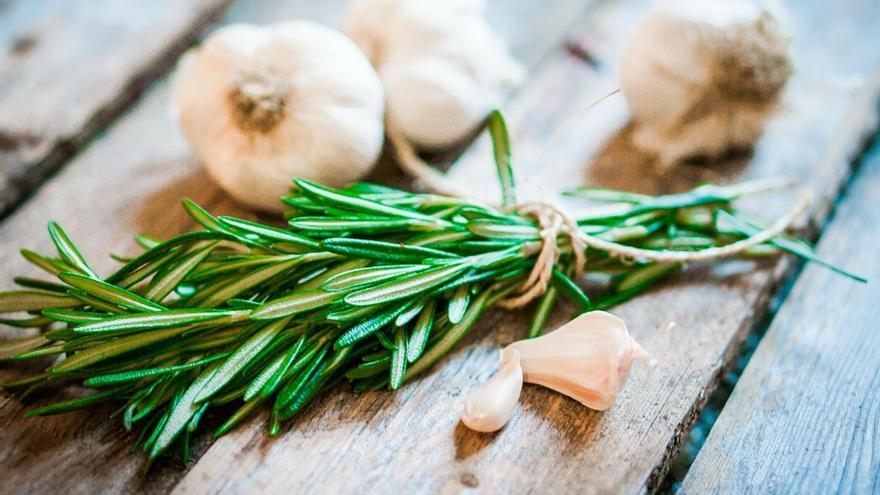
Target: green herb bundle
{"x":369,"y":285}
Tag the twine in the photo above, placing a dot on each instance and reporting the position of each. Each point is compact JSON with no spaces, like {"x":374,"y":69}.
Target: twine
{"x":732,"y":249}
{"x":410,"y":162}
{"x":553,"y":222}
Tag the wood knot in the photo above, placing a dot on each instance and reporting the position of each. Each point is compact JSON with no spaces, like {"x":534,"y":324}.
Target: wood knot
{"x":469,"y":480}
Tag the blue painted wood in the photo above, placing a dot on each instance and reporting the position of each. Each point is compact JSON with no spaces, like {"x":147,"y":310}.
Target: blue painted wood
{"x":805,"y":416}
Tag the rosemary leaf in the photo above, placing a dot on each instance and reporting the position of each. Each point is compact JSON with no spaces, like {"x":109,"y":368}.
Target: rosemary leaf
{"x":31,"y":300}
{"x":68,"y":251}
{"x":181,"y":414}
{"x":360,"y":277}
{"x":399,"y":289}
{"x":398,"y":360}
{"x":458,"y":304}
{"x":12,"y":347}
{"x":133,"y":375}
{"x":340,"y":199}
{"x":501,"y":151}
{"x":298,"y":302}
{"x":368,"y":327}
{"x":382,"y":251}
{"x":240,"y":358}
{"x":159,"y":319}
{"x":420,"y":333}
{"x":268,"y":232}
{"x":113,"y":348}
{"x":162,"y":286}
{"x":108,"y":292}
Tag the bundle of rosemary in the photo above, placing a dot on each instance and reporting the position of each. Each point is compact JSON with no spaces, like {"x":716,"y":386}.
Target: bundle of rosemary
{"x":368,"y":284}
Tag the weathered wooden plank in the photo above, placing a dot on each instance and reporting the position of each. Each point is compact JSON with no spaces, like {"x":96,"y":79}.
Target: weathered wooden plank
{"x":120,"y":185}
{"x":68,"y":68}
{"x":804,"y":415}
{"x":410,"y":441}
{"x":130,"y":180}
{"x":530,"y":29}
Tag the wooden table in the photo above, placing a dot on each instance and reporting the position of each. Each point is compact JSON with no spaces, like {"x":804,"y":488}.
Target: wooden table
{"x":85,"y":139}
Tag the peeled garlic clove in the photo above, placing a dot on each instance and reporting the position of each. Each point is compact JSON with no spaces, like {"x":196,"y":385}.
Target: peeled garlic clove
{"x":701,"y":77}
{"x":587,"y":359}
{"x":490,"y":406}
{"x":442,"y":65}
{"x":262,"y":105}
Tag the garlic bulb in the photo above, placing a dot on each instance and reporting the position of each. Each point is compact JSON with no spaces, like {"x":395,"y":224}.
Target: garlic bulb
{"x":587,"y":359}
{"x":489,"y":407}
{"x":442,"y":66}
{"x":703,"y":77}
{"x":262,"y":105}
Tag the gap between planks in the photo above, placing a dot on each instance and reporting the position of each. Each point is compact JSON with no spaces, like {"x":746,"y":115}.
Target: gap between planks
{"x":804,"y":414}
{"x":68,"y":75}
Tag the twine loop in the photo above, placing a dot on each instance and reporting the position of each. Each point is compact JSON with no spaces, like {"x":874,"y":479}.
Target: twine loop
{"x":552,"y":223}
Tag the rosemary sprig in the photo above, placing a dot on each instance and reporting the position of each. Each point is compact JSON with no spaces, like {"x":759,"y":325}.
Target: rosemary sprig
{"x":368,"y":284}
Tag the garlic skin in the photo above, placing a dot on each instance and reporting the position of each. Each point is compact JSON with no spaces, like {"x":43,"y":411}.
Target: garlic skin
{"x":262,"y":105}
{"x":490,"y":406}
{"x":442,"y":66}
{"x":587,"y":359}
{"x":431,"y":102}
{"x":701,"y":77}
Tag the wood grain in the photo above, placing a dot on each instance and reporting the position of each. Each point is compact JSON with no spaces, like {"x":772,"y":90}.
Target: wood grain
{"x":131,"y":180}
{"x":68,"y":68}
{"x":141,"y":181}
{"x":805,"y":416}
{"x":410,"y":441}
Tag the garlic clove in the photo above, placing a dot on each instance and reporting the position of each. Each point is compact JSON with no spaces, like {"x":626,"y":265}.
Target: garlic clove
{"x":263,"y":104}
{"x":490,"y":406}
{"x":432,"y":102}
{"x":587,"y":359}
{"x":442,"y":65}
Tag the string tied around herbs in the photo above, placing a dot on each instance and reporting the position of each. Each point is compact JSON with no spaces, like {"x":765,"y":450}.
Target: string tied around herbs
{"x":554,"y":223}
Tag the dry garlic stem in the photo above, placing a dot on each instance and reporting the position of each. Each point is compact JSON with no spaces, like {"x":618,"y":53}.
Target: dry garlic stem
{"x":703,"y":77}
{"x":442,"y":66}
{"x":490,"y":406}
{"x":261,"y":105}
{"x":587,"y":359}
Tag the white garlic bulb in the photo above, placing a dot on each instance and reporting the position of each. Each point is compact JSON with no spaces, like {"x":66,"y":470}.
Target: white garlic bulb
{"x":702,"y":77}
{"x":490,"y":406}
{"x":262,"y":105}
{"x":442,"y":65}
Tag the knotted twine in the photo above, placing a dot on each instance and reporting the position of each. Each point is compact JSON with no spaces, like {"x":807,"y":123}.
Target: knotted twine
{"x":552,"y":223}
